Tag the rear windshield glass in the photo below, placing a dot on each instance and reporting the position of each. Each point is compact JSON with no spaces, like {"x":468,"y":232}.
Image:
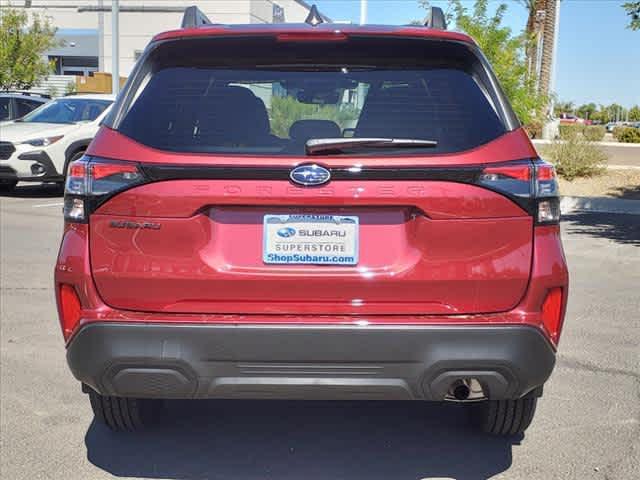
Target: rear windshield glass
{"x":263,"y":107}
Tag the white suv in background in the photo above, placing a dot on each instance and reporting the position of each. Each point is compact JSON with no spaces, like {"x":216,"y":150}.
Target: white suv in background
{"x":17,"y":104}
{"x":39,"y":146}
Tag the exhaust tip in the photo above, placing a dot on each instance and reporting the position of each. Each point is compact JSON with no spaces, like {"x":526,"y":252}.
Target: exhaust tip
{"x":460,"y":391}
{"x":465,"y":390}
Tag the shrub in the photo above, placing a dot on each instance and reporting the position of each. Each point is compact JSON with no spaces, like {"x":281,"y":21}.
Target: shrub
{"x":52,"y":91}
{"x":570,"y":131}
{"x":71,"y":88}
{"x":534,"y":129}
{"x":576,"y":157}
{"x":594,"y":133}
{"x":627,"y":134}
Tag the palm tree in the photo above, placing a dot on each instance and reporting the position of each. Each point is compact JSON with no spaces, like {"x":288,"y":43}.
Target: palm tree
{"x":533,"y":33}
{"x":548,"y":39}
{"x":564,"y":107}
{"x":633,"y":10}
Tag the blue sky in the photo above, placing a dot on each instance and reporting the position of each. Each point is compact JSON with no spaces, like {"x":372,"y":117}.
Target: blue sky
{"x":598,"y":57}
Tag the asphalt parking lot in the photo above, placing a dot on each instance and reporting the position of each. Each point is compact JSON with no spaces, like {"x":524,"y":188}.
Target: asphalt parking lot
{"x":587,"y":425}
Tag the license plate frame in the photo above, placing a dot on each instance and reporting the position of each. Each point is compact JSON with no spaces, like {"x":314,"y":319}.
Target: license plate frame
{"x":311,"y":239}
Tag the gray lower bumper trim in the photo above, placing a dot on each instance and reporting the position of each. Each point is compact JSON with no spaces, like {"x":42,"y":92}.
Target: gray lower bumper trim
{"x":307,"y":362}
{"x":41,"y":157}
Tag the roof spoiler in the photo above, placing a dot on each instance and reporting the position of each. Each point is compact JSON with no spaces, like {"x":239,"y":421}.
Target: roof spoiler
{"x":194,"y":18}
{"x":435,"y":19}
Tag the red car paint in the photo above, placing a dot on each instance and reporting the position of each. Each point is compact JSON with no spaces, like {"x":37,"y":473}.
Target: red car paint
{"x":548,"y":270}
{"x":320,"y":32}
{"x":432,"y":252}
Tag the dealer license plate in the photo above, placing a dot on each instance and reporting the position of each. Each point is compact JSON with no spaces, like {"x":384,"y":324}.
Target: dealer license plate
{"x":310,"y":239}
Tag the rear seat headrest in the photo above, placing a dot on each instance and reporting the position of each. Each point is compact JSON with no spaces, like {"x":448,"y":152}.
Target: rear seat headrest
{"x":303,"y":130}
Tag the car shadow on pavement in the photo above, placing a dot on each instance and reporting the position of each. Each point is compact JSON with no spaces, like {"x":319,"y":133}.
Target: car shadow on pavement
{"x":303,"y":440}
{"x":622,"y":228}
{"x":629,"y":193}
{"x":38,"y":190}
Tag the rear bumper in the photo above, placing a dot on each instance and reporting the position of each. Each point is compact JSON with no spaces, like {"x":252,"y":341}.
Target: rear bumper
{"x":307,"y":362}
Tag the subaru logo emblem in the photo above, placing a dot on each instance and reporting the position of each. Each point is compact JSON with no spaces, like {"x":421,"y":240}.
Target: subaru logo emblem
{"x":311,"y":174}
{"x":287,"y":232}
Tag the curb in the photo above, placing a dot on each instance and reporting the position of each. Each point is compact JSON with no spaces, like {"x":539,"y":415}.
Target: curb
{"x":542,"y":141}
{"x":599,"y":205}
{"x":623,"y":167}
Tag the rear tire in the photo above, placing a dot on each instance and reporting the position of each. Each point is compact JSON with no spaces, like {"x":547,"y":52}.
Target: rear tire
{"x":505,"y":417}
{"x":124,"y":414}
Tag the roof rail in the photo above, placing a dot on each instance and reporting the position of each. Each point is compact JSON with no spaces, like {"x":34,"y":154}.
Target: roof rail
{"x":194,"y":18}
{"x":314,"y":18}
{"x":435,"y":19}
{"x":27,"y":93}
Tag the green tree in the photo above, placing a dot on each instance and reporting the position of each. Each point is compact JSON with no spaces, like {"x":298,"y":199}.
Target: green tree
{"x":507,"y":54}
{"x":634,"y":114}
{"x":601,"y":114}
{"x":587,"y":110}
{"x":22,"y":44}
{"x":563,"y":107}
{"x":633,"y":10}
{"x":615,"y":111}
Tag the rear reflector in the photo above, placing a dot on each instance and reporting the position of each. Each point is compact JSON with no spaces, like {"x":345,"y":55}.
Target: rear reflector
{"x":69,"y":309}
{"x":552,"y":313}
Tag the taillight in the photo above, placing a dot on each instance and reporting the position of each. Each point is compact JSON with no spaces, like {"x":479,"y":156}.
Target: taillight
{"x":91,"y":181}
{"x":531,"y":184}
{"x":70,"y":309}
{"x":552,"y":313}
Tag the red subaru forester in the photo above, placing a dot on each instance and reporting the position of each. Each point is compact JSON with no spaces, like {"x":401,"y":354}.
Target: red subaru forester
{"x":312,"y":212}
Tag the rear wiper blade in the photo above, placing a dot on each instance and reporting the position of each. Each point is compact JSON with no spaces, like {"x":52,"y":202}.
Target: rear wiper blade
{"x":327,"y":146}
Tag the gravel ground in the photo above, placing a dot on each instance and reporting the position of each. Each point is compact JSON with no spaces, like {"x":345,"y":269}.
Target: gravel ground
{"x":613,"y":183}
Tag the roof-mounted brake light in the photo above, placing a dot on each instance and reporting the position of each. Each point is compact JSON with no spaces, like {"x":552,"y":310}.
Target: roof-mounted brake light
{"x":314,"y":36}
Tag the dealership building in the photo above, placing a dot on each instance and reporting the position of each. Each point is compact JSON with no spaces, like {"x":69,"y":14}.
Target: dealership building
{"x":84,"y":27}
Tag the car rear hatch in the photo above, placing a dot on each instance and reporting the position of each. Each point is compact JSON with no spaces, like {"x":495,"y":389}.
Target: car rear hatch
{"x":208,"y":209}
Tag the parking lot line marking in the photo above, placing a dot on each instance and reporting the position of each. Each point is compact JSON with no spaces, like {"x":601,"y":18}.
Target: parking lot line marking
{"x":42,"y":205}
